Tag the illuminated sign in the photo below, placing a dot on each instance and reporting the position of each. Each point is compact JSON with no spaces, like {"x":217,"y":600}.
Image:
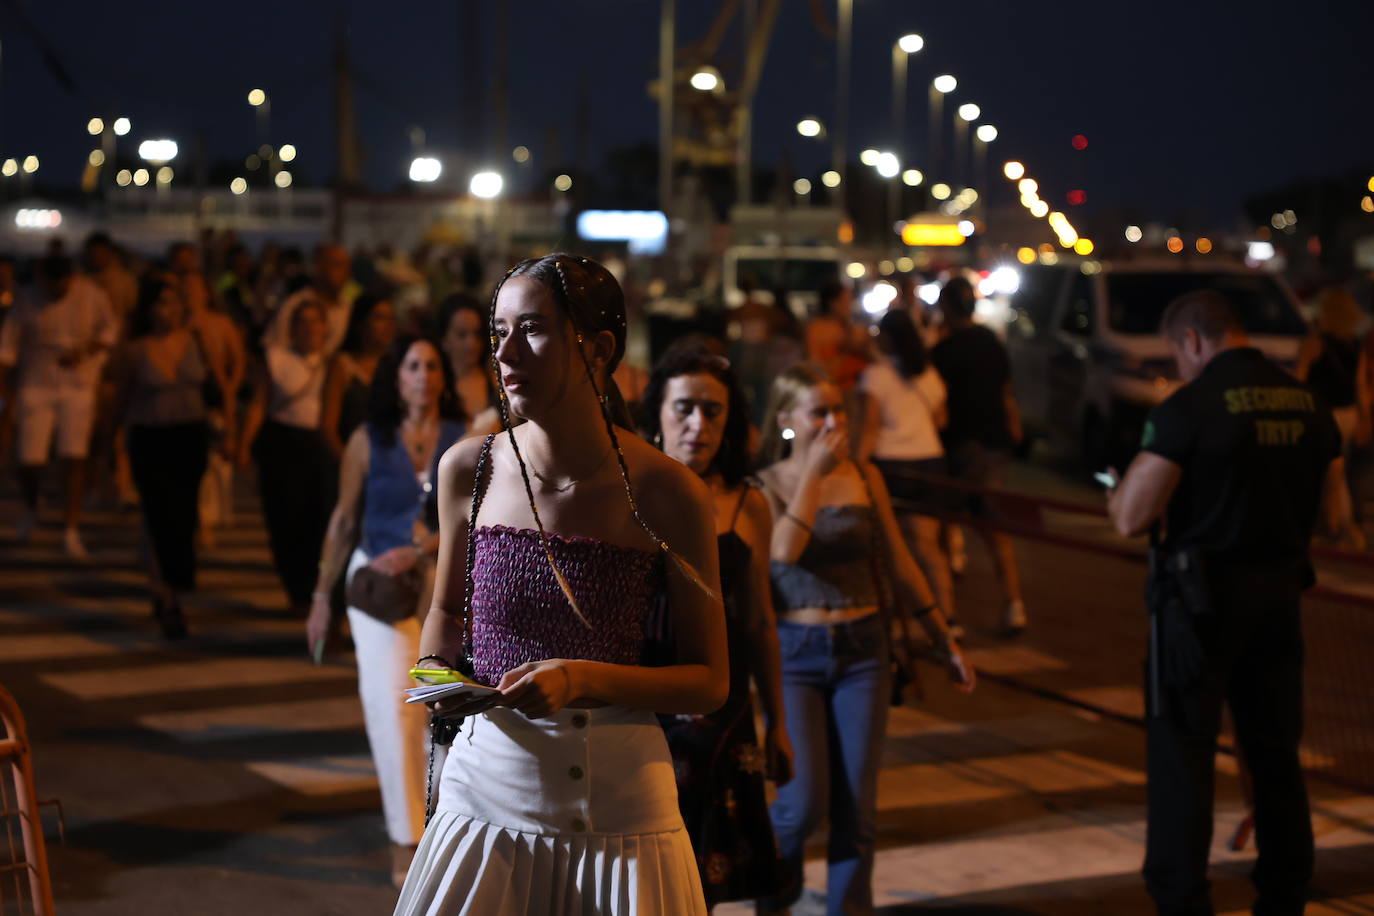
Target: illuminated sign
{"x":932,"y":234}
{"x":646,"y":231}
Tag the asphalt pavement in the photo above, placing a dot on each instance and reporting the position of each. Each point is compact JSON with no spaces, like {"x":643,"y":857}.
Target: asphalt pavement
{"x":226,"y":774}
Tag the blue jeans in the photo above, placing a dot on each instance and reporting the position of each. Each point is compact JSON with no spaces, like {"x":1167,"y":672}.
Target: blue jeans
{"x":835,"y":692}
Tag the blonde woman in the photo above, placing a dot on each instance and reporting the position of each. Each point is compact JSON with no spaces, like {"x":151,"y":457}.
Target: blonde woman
{"x":835,"y":544}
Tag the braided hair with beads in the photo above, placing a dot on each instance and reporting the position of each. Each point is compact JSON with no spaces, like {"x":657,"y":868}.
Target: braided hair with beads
{"x":591,"y":299}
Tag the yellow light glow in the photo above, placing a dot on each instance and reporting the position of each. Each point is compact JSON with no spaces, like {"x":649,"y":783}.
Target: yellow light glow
{"x":95,"y":126}
{"x":1175,"y":244}
{"x":845,"y":234}
{"x":1028,"y":186}
{"x":945,"y":83}
{"x":945,"y":234}
{"x":987,"y":133}
{"x":124,"y":178}
{"x":1014,"y":170}
{"x":30,"y":164}
{"x":141,"y":177}
{"x":283,"y":179}
{"x":287,"y":153}
{"x":1203,"y":245}
{"x":940,"y":191}
{"x":563,"y":182}
{"x":96,"y":158}
{"x":869,"y":157}
{"x":969,"y":112}
{"x":1367,"y":204}
{"x":1025,"y":255}
{"x":905,"y":264}
{"x":912,"y":177}
{"x":886,"y":268}
{"x":856,"y":270}
{"x":831,"y":179}
{"x":10,"y":168}
{"x":122,"y":126}
{"x":256,"y":97}
{"x":1049,"y":258}
{"x":809,"y":127}
{"x":164,"y":175}
{"x":801,"y":186}
{"x":1039,"y":209}
{"x":239,"y":186}
{"x":1133,"y":234}
{"x":1083,"y":247}
{"x":521,"y":154}
{"x":1371,"y":184}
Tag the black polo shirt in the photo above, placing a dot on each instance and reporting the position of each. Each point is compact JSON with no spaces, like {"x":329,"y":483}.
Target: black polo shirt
{"x":1255,"y":445}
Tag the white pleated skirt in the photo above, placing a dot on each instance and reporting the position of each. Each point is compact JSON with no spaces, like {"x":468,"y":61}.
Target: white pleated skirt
{"x":572,"y":814}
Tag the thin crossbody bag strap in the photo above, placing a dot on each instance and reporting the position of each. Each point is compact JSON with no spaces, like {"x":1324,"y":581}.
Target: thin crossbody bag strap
{"x":442,"y":731}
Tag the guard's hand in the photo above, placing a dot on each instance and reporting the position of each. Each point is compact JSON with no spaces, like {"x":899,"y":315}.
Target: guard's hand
{"x":539,"y":689}
{"x":777,"y":754}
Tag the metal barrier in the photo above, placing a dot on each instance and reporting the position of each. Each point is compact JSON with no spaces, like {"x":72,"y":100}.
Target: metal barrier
{"x":1338,"y":629}
{"x":14,"y":749}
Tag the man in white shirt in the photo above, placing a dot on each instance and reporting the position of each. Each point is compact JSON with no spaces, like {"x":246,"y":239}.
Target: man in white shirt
{"x":330,"y":288}
{"x":52,"y":348}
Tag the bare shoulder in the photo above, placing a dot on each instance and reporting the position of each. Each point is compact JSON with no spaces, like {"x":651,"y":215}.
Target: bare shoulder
{"x":755,"y":508}
{"x":774,"y":484}
{"x":458,"y":465}
{"x":663,"y":487}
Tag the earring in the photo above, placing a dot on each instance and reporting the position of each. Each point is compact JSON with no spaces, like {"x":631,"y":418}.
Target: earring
{"x":658,"y":440}
{"x":789,"y":433}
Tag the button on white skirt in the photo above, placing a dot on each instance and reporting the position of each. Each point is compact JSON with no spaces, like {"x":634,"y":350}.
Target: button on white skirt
{"x":572,"y":814}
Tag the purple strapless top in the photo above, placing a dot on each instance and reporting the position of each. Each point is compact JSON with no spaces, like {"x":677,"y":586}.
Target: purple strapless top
{"x":520,"y":615}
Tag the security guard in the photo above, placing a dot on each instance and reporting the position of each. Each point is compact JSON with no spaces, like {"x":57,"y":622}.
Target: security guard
{"x":1235,"y":467}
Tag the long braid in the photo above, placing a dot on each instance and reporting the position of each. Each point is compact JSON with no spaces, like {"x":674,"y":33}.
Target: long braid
{"x":683,"y":566}
{"x":504,"y":404}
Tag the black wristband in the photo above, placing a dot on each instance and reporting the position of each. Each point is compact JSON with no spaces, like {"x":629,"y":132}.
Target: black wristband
{"x":438,"y":658}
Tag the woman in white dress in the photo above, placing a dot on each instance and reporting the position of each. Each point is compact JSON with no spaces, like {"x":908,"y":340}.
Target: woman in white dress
{"x":558,"y":795}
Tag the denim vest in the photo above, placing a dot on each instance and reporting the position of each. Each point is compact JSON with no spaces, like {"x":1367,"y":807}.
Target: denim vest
{"x":392,"y":495}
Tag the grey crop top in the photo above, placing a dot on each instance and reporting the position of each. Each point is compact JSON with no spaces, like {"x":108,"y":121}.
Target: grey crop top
{"x":836,"y":569}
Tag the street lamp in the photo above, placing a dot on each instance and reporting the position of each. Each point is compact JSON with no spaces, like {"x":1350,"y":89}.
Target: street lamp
{"x":888,"y":165}
{"x":425,"y":169}
{"x":985,"y":134}
{"x":122,"y":126}
{"x":939,"y":87}
{"x":157,"y":151}
{"x":904,"y":48}
{"x":912,"y":177}
{"x":95,"y":127}
{"x":287,"y":152}
{"x":563,"y":182}
{"x":969,"y":112}
{"x":707,"y":79}
{"x":1014,"y":170}
{"x":486,"y":185}
{"x":809,"y":127}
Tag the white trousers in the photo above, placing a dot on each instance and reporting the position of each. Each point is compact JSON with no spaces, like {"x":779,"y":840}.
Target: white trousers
{"x":397,"y":733}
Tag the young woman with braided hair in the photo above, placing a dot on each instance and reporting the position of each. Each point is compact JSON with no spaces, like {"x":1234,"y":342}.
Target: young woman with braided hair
{"x":558,"y":795}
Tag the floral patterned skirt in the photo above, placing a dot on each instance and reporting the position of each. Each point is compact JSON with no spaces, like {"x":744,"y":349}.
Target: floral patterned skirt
{"x":720,"y":772}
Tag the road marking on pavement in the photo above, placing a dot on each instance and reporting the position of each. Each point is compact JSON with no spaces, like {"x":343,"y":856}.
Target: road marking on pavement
{"x":322,"y":776}
{"x":53,"y":646}
{"x":227,"y":673}
{"x":322,"y":715}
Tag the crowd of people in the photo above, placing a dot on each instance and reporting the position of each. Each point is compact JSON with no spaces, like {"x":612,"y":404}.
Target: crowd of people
{"x":476,"y":481}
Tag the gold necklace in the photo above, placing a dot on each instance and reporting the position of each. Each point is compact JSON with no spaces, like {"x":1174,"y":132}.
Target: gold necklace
{"x":548,"y":482}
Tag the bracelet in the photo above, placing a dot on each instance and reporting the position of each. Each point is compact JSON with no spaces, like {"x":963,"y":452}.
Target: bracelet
{"x":798,"y":522}
{"x":437,"y":658}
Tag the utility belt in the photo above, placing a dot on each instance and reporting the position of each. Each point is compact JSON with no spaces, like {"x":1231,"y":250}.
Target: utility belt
{"x":1177,"y":595}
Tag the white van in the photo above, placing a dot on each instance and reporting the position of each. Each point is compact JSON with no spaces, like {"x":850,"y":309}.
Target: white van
{"x":1087,"y":358}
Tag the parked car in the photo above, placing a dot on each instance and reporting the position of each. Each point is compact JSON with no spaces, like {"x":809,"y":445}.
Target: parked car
{"x":1088,"y":361}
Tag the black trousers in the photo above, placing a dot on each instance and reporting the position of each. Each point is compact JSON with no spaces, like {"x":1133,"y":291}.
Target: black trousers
{"x":1254,"y":663}
{"x":167,"y":464}
{"x":298,"y":482}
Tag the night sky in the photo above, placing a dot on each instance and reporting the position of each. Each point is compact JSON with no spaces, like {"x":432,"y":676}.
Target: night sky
{"x":1188,"y":107}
